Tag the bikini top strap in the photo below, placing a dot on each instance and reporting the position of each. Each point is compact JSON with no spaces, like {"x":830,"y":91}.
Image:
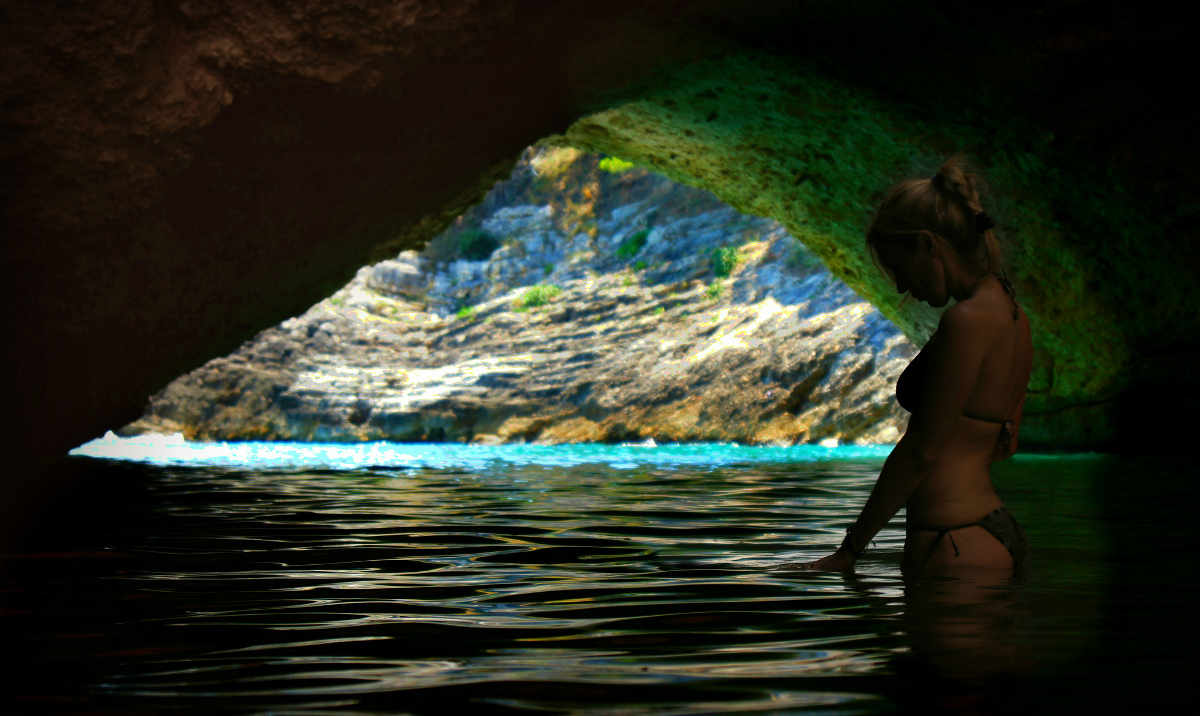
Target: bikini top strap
{"x":973,"y":416}
{"x":1010,"y":290}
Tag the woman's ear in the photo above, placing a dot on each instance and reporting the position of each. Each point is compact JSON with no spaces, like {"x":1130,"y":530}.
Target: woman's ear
{"x":927,"y":242}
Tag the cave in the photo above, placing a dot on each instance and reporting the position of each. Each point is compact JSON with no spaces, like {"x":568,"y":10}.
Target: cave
{"x":179,"y":176}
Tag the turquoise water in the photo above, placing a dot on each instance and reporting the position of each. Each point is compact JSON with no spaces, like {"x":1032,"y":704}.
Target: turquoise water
{"x":174,"y":450}
{"x":428,"y":579}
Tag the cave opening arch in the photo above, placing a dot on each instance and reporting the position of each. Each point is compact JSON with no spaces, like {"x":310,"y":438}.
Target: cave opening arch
{"x":585,"y":299}
{"x":118,"y":249}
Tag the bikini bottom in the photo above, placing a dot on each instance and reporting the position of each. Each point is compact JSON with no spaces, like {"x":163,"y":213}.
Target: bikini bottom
{"x":1001,"y":524}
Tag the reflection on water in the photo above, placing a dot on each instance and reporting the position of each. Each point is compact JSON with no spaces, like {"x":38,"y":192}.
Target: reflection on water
{"x":605,"y":582}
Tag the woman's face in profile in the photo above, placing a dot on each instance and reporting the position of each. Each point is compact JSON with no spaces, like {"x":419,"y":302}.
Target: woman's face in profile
{"x":915,"y":271}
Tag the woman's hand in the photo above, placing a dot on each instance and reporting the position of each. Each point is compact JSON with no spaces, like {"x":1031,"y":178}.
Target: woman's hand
{"x":840,"y":561}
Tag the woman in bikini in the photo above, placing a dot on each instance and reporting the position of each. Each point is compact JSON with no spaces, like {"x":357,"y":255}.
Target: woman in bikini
{"x":965,"y":389}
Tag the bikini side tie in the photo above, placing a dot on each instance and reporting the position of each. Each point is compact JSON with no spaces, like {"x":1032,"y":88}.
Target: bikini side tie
{"x":945,"y":532}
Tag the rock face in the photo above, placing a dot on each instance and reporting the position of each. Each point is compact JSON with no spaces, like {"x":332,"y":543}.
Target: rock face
{"x":619,"y":332}
{"x":179,"y":175}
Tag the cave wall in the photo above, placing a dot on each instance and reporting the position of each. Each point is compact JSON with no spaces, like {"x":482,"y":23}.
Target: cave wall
{"x":779,"y":138}
{"x":179,"y":175}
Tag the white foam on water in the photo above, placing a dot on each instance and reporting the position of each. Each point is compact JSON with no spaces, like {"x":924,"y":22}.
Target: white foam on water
{"x":174,"y":450}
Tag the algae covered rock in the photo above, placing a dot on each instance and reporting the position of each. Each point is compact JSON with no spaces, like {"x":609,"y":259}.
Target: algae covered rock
{"x":1107,"y":300}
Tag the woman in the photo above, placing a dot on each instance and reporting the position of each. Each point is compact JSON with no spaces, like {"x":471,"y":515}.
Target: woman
{"x":965,"y":389}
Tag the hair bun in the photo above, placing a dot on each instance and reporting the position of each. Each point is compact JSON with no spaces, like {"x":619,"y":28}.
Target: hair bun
{"x":948,"y":204}
{"x":983,"y":222}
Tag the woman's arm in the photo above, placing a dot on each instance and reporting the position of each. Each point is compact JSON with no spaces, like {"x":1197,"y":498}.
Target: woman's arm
{"x":1003,"y":452}
{"x":902,"y":473}
{"x":954,"y":365}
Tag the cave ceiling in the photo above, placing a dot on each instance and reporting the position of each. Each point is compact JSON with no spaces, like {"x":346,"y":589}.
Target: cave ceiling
{"x":181,"y":175}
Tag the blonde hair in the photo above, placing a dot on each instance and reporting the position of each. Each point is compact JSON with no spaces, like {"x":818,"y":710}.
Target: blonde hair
{"x":946,"y":204}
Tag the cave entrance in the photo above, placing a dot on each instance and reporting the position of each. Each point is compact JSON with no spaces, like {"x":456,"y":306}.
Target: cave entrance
{"x":585,"y":299}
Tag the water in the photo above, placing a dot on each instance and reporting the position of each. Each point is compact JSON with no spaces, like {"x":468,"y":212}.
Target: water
{"x":637,"y":579}
{"x":174,"y":450}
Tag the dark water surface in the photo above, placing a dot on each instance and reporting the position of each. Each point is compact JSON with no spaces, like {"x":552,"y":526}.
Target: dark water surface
{"x":594,"y":586}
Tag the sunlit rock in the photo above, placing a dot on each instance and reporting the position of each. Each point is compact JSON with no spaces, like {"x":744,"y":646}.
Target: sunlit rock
{"x":629,"y":339}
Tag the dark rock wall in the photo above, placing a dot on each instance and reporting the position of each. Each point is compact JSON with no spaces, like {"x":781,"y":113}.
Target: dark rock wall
{"x":157,"y":154}
{"x":178,"y":175}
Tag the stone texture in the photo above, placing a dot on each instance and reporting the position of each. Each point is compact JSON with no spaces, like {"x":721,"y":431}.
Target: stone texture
{"x":602,"y":361}
{"x":632,"y":345}
{"x":178,"y":175}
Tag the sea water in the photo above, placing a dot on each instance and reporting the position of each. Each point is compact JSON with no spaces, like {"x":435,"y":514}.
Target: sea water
{"x":580,"y":579}
{"x":175,"y":450}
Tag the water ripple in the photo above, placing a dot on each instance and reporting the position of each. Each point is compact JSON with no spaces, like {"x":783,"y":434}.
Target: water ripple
{"x":565,"y":588}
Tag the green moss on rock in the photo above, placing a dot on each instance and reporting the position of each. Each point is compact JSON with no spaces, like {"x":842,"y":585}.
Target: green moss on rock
{"x":780,"y":139}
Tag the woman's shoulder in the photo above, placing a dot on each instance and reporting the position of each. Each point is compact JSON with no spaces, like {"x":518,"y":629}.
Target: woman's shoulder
{"x":964,"y":317}
{"x":967,"y":327}
{"x":983,"y":312}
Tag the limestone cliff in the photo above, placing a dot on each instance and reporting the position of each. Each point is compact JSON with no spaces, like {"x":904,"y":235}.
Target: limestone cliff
{"x":623,"y":307}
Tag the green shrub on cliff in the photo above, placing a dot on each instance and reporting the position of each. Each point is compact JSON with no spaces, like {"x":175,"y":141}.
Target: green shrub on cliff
{"x":466,"y":313}
{"x":614,"y":165}
{"x":633,"y":245}
{"x":724,"y":261}
{"x":538,"y":295}
{"x":476,"y":244}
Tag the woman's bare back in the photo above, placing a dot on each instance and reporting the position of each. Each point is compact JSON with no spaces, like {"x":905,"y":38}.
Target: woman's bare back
{"x":959,"y":489}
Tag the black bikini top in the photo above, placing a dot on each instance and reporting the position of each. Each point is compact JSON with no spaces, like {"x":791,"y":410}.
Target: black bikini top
{"x":912,"y":381}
